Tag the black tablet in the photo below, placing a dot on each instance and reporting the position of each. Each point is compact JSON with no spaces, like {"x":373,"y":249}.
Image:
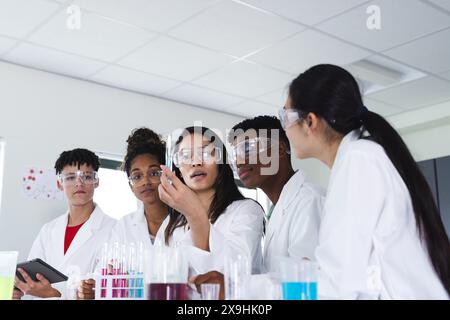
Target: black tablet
{"x":35,"y":266}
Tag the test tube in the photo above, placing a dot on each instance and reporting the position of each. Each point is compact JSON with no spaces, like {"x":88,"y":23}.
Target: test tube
{"x":103,"y":269}
{"x":169,"y":151}
{"x":131,"y":269}
{"x":115,"y":269}
{"x":123,"y":271}
{"x":140,"y":270}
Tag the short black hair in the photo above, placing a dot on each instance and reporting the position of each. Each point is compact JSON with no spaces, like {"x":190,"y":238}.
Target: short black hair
{"x":257,"y":123}
{"x":77,"y":157}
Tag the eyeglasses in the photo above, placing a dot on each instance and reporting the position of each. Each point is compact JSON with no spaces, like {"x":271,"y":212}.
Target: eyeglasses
{"x":251,"y":147}
{"x":205,"y":154}
{"x":289,"y":117}
{"x":137,"y":178}
{"x":247,"y":151}
{"x":70,"y":179}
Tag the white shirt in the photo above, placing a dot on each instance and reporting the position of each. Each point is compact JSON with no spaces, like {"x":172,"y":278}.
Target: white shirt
{"x":237,"y":231}
{"x":368,"y":241}
{"x":79,"y":260}
{"x":293,"y":229}
{"x":134,"y":228}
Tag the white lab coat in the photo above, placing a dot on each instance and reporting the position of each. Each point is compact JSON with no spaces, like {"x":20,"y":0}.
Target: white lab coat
{"x":238,"y":231}
{"x":293,"y":228}
{"x":369,"y":246}
{"x":134,"y":228}
{"x":79,"y":260}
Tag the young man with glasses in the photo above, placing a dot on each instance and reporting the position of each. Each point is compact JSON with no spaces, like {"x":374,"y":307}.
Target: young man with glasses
{"x":70,"y":242}
{"x":259,"y":144}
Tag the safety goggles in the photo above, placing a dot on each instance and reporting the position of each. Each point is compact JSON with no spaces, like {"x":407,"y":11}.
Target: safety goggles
{"x":251,"y":147}
{"x":205,"y":154}
{"x":289,"y":117}
{"x":137,"y":178}
{"x":247,"y":151}
{"x":70,"y":179}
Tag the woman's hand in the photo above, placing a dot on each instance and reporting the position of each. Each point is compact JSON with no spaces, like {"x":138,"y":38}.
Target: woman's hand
{"x":209,"y":277}
{"x":86,"y":290}
{"x":177,"y":195}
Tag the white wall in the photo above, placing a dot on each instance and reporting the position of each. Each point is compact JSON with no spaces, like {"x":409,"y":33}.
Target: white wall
{"x":42,"y":114}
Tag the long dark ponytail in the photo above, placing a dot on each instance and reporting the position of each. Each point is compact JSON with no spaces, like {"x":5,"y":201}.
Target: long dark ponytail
{"x":333,"y":94}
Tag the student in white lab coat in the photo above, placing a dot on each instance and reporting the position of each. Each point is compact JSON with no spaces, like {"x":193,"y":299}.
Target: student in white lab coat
{"x":293,"y":223}
{"x":148,"y":224}
{"x":219,"y":220}
{"x":70,"y":242}
{"x":145,"y":155}
{"x":381,"y":234}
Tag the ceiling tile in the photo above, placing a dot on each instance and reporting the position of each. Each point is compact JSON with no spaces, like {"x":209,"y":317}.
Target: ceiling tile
{"x":430,"y":53}
{"x":98,"y":38}
{"x":381,"y":108}
{"x":419,"y":93}
{"x":276,"y":98}
{"x":235,"y":29}
{"x":307,"y":49}
{"x":157,"y":15}
{"x":6,"y":44}
{"x":252,"y":109}
{"x":306,"y":11}
{"x":134,"y":80}
{"x":19,"y":17}
{"x":245,"y":79}
{"x":175,"y":59}
{"x":401,"y":21}
{"x":202,"y":97}
{"x":52,"y":60}
{"x":445,"y":4}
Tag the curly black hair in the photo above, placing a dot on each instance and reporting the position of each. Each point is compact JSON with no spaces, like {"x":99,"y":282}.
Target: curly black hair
{"x":144,"y":141}
{"x":77,"y":157}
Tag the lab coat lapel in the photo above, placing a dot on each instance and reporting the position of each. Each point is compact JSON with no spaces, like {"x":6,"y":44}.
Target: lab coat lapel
{"x":288,"y":194}
{"x":352,"y":136}
{"x":141,"y":227}
{"x":85,"y":233}
{"x":57,"y":239}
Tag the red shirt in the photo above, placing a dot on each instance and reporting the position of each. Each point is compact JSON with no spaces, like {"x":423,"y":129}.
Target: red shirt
{"x":70,"y":234}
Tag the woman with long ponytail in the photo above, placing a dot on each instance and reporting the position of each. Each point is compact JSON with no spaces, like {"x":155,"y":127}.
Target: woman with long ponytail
{"x":381,"y":234}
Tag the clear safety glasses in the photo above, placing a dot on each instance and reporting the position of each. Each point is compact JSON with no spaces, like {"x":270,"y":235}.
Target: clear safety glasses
{"x":70,"y":179}
{"x":247,"y":151}
{"x":137,"y":178}
{"x":289,"y":117}
{"x":205,"y":154}
{"x":251,"y":147}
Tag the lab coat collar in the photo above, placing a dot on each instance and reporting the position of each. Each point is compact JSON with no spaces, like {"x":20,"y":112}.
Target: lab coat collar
{"x":140,"y":221}
{"x":139,"y":215}
{"x":89,"y":227}
{"x":288,"y":194}
{"x":348,"y":138}
{"x":291,"y":189}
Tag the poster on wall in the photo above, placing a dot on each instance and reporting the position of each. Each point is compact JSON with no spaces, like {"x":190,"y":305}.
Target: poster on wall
{"x":40,"y":184}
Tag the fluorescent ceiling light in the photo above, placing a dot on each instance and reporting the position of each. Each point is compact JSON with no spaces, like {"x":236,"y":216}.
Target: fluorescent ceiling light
{"x":375,"y":73}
